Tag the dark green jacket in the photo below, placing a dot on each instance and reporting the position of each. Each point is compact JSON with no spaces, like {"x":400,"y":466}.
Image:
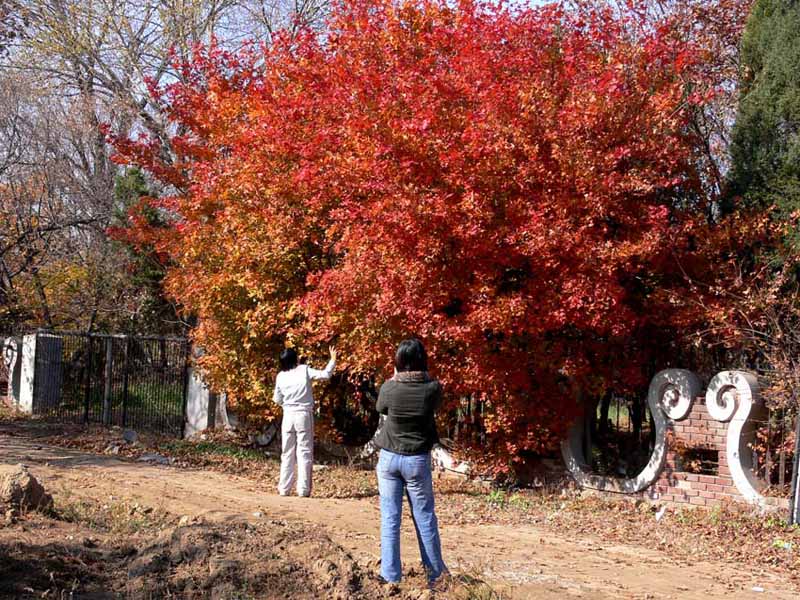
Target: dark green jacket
{"x":409,"y":407}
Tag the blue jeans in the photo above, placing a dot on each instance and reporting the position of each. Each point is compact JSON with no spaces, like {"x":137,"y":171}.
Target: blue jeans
{"x":398,"y":473}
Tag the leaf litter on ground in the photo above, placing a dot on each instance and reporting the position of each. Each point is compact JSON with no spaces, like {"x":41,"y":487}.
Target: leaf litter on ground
{"x":730,"y":532}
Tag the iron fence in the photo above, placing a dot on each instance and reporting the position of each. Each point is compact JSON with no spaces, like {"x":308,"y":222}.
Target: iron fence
{"x":619,"y":435}
{"x":130,"y":381}
{"x":774,"y":449}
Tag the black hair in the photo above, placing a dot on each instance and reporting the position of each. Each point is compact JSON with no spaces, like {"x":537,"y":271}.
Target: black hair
{"x":288,"y":359}
{"x":411,"y":356}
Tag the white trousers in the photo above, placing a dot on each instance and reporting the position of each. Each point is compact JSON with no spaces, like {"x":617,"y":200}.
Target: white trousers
{"x":297,"y":441}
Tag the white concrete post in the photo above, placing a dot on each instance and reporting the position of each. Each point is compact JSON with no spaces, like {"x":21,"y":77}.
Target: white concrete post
{"x":27,"y":374}
{"x":12,"y":356}
{"x":198,"y":399}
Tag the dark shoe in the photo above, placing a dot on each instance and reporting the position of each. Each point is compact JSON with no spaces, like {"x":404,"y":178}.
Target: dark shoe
{"x":441,"y":583}
{"x":392,"y":587}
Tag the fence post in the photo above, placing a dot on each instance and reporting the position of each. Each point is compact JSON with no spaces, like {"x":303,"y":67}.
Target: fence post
{"x":794,"y":501}
{"x":187,"y":354}
{"x":108,"y":381}
{"x":88,"y":390}
{"x":125,"y":381}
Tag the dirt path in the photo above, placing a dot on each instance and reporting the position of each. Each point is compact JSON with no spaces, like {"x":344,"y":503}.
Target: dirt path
{"x":527,"y":561}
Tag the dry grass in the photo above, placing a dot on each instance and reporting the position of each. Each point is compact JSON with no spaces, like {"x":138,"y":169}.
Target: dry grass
{"x":114,"y":516}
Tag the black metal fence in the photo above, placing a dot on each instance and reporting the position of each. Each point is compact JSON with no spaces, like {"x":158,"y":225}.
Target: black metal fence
{"x":130,"y":381}
{"x":774,"y":449}
{"x":619,"y":435}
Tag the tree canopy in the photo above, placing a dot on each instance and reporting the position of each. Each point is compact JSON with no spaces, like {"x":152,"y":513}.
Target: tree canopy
{"x":514,"y":186}
{"x":766,"y":137}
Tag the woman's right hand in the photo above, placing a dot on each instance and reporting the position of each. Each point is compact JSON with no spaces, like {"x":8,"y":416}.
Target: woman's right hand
{"x":332,"y":350}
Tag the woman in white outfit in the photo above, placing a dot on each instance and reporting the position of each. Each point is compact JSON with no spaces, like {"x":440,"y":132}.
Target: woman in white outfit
{"x":293,"y":393}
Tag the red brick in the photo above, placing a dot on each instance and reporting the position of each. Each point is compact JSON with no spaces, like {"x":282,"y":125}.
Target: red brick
{"x":700,"y":487}
{"x":707,"y":479}
{"x":691,"y":477}
{"x":697,"y":501}
{"x":704,"y":494}
{"x":713,"y":487}
{"x":692,"y":493}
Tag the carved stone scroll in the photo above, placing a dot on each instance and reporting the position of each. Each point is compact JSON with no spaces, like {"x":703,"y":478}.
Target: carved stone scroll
{"x":671,"y":394}
{"x":731,"y":397}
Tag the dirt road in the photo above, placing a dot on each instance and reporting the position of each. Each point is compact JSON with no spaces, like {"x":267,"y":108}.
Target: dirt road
{"x":527,"y":561}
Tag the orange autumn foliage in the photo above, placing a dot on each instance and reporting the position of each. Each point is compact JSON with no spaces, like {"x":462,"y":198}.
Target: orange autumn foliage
{"x":514,"y":186}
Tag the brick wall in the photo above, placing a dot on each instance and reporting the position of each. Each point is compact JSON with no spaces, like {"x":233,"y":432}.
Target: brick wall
{"x":698,"y":431}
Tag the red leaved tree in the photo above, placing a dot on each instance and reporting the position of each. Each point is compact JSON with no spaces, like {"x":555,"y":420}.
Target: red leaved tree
{"x":513,"y":186}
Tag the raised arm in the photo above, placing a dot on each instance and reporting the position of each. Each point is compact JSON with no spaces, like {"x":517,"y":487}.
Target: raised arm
{"x":327,"y":371}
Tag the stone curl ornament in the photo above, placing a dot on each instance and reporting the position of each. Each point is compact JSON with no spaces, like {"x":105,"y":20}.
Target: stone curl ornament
{"x":671,"y":394}
{"x":733,"y":397}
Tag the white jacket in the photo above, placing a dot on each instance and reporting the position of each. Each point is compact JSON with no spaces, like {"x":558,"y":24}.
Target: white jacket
{"x":293,"y":388}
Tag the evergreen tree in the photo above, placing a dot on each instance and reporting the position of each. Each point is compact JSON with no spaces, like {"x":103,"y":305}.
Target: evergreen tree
{"x":766,"y":138}
{"x":154,"y":314}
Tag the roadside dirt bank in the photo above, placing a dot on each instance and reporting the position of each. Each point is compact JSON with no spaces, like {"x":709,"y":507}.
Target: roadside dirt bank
{"x":522,"y":561}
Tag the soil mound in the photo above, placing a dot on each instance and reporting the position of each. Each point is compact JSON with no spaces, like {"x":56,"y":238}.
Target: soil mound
{"x":275,"y":559}
{"x":46,"y":557}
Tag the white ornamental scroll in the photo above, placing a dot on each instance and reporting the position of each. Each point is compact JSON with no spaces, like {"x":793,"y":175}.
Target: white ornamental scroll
{"x":671,"y":395}
{"x":731,"y":397}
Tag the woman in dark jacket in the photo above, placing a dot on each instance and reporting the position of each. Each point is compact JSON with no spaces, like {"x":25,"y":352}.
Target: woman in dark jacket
{"x":409,"y":401}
